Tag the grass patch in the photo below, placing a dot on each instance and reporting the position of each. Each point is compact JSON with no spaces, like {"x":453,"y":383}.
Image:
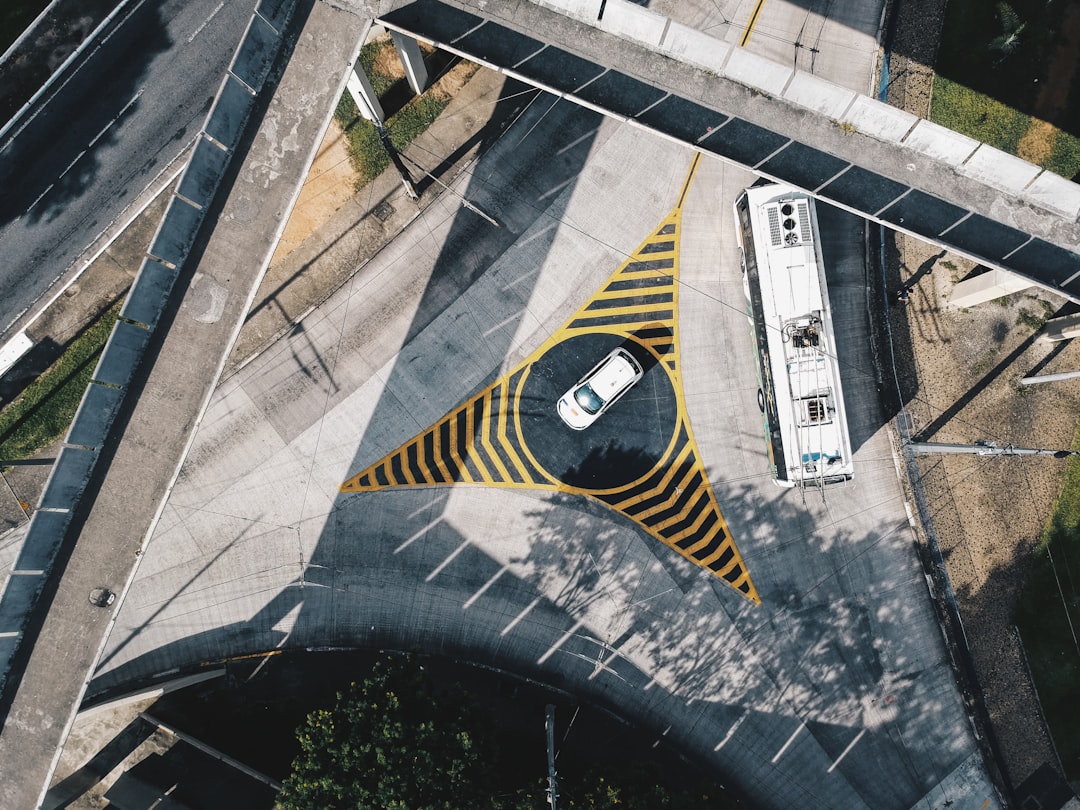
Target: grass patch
{"x":43,"y":412}
{"x":363,"y":145}
{"x":977,"y":115}
{"x":369,"y":56}
{"x":1048,"y":615}
{"x":1031,"y":321}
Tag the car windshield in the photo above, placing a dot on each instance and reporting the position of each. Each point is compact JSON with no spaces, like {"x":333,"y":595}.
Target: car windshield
{"x":588,"y":399}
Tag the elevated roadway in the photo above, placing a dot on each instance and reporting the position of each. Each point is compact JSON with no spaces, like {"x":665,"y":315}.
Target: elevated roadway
{"x":184,"y":360}
{"x":843,"y":147}
{"x":80,"y":164}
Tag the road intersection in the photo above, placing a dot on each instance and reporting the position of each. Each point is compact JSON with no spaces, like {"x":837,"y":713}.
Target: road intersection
{"x":600,"y":563}
{"x":835,"y":691}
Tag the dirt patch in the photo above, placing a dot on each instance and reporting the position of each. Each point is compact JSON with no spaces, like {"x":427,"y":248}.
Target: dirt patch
{"x":328,"y":186}
{"x":387,"y":63}
{"x":961,"y":370}
{"x":1038,"y":142}
{"x":450,"y":83}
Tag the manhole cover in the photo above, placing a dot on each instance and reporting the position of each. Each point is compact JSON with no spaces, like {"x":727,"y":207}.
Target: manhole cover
{"x":383,"y":211}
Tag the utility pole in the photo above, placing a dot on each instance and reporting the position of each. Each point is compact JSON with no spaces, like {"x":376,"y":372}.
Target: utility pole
{"x":549,"y":724}
{"x":981,"y":448}
{"x":406,"y":180}
{"x":464,"y":202}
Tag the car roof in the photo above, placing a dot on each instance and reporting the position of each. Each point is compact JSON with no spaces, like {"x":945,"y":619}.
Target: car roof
{"x":613,"y":374}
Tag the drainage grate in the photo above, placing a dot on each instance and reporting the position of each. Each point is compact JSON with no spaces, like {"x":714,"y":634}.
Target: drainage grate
{"x":382,"y":211}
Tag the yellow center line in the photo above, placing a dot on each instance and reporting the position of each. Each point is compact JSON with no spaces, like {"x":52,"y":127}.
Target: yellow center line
{"x":750,"y":25}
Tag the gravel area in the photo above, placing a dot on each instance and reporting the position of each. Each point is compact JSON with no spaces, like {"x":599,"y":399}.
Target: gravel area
{"x":958,"y":371}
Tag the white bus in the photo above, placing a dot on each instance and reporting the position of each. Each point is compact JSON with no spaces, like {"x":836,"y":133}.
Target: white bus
{"x":788,"y":304}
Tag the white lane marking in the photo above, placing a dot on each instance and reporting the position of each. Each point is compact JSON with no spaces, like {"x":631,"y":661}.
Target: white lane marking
{"x":732,"y":730}
{"x":206,"y":22}
{"x":449,"y":559}
{"x":554,"y":647}
{"x":472,"y":599}
{"x":418,"y":535}
{"x":844,"y":753}
{"x":520,"y":616}
{"x":89,"y":146}
{"x":787,"y":745}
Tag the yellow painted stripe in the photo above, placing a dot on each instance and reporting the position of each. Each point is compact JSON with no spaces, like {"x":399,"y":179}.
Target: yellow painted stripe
{"x":689,"y":530}
{"x":681,"y":516}
{"x":393,"y":479}
{"x":459,"y":462}
{"x":700,"y":544}
{"x":716,"y":555}
{"x":403,"y":454}
{"x":470,"y":444}
{"x":525,"y":447}
{"x":746,"y":578}
{"x":677,"y":491}
{"x":504,"y":438}
{"x":610,"y":295}
{"x":752,"y":22}
{"x":421,"y":462}
{"x":674,"y":486}
{"x":665,"y":482}
{"x":438,"y":455}
{"x":631,"y":309}
{"x":485,"y":431}
{"x":690,"y":174}
{"x":629,"y":272}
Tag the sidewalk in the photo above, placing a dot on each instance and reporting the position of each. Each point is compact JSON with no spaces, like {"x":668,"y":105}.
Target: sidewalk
{"x":300,"y":281}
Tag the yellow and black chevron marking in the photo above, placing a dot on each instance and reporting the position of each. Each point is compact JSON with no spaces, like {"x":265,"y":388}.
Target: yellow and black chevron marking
{"x":500,"y":436}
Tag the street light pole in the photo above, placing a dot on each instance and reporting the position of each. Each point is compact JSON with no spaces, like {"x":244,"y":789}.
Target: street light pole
{"x":1045,"y":378}
{"x":549,"y":724}
{"x":981,"y":448}
{"x":406,"y":180}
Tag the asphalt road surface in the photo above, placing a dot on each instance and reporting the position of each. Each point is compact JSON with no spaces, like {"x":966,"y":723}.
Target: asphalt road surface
{"x":110,"y":130}
{"x":834,"y":691}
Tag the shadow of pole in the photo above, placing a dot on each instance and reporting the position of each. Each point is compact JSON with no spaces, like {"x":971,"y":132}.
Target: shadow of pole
{"x":977,"y":389}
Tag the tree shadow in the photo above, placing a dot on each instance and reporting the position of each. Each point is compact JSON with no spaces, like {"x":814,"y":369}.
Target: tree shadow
{"x":843,"y":664}
{"x":65,"y":137}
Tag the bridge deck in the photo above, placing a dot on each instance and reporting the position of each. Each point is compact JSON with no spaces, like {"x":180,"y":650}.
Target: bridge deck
{"x":846,"y":149}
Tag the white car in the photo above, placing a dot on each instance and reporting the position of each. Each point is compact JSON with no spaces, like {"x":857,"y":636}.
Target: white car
{"x":599,"y":389}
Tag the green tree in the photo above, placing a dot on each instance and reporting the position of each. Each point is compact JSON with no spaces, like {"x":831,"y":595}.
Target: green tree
{"x":1012,"y":29}
{"x":392,"y":742}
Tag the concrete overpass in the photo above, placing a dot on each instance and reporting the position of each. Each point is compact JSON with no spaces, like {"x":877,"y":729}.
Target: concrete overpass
{"x":846,"y":149}
{"x":978,"y":201}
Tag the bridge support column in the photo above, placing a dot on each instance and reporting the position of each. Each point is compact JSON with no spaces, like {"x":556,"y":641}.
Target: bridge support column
{"x":363,"y":94}
{"x":986,"y":287}
{"x":409,"y":52}
{"x":1061,"y":328}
